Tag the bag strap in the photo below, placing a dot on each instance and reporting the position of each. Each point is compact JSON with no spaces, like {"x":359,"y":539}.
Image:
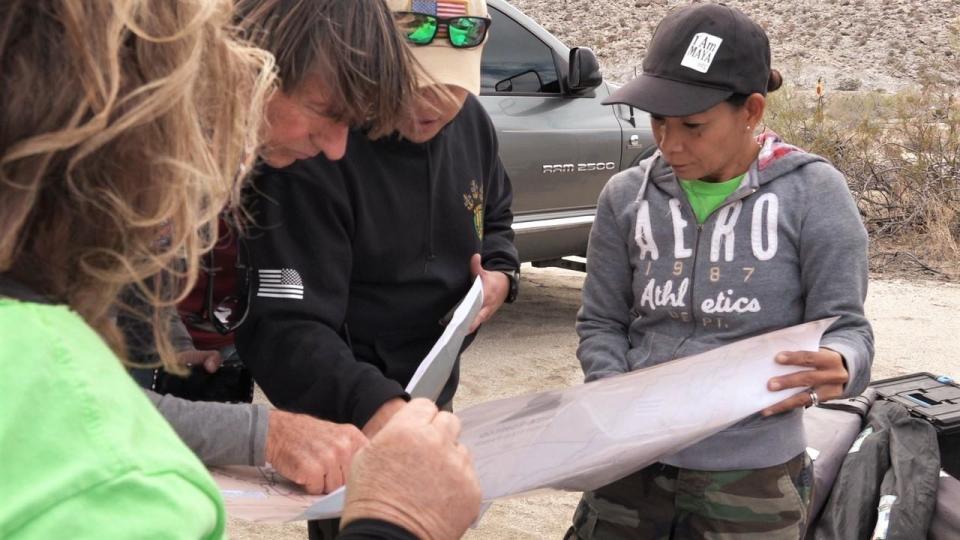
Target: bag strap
{"x":859,"y":405}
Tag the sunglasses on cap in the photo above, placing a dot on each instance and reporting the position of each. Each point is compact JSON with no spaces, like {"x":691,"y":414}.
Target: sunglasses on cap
{"x":461,"y":32}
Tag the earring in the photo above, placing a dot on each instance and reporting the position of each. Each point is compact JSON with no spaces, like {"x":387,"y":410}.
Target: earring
{"x":749,"y":128}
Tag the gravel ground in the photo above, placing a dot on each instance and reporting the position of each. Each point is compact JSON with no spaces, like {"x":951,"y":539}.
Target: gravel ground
{"x":530,"y":346}
{"x":852,"y":44}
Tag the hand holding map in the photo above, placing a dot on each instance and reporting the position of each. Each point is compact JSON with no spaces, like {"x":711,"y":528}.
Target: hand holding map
{"x":575,"y":438}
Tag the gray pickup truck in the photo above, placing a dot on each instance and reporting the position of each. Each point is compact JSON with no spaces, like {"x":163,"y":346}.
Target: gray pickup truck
{"x":557,"y":142}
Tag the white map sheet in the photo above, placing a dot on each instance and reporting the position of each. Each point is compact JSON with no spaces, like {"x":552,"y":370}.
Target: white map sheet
{"x":583,"y":437}
{"x":261,"y":494}
{"x":575,"y":438}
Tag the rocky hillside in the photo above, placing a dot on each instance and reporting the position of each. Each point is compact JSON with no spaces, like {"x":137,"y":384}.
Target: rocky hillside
{"x":852,"y":44}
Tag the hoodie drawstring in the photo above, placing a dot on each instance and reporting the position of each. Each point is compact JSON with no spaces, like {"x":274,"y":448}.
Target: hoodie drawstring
{"x":430,"y":201}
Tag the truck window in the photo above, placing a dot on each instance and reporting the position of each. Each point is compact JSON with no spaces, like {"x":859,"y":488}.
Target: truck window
{"x":515,"y":61}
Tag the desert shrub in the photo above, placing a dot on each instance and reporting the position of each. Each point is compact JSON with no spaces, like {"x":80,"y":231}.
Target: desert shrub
{"x":901,"y":155}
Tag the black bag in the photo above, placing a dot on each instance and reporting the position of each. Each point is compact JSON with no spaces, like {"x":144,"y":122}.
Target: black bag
{"x":935,"y":400}
{"x":887,"y":485}
{"x":232,"y":383}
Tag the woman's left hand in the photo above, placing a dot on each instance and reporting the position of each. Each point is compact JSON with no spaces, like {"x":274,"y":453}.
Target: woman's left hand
{"x":826,"y":378}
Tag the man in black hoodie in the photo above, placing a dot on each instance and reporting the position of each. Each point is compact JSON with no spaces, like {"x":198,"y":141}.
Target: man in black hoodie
{"x":359,"y":260}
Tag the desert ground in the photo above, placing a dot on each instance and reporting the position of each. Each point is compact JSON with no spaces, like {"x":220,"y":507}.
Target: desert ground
{"x":852,"y":44}
{"x":530,"y":346}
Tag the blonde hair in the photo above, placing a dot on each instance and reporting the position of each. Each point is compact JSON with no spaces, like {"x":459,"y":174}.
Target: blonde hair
{"x":124,"y":127}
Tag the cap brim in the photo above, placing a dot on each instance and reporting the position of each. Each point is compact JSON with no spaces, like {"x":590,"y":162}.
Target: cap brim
{"x":446,"y":65}
{"x":664,"y":97}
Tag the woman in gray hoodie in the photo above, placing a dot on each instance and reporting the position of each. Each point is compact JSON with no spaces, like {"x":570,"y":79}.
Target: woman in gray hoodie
{"x":721,"y":235}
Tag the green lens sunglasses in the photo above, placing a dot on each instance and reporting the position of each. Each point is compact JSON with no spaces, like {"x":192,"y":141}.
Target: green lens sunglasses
{"x":462,"y":32}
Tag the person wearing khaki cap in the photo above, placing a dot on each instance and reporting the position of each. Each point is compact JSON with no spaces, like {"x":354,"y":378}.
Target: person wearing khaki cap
{"x":723,"y":234}
{"x":377,"y":248}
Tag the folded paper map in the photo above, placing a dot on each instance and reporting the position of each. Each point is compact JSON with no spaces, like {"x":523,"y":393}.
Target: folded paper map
{"x":575,"y":438}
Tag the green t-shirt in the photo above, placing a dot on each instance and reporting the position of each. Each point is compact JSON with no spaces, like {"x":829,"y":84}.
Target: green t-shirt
{"x":705,"y":197}
{"x":83,"y":453}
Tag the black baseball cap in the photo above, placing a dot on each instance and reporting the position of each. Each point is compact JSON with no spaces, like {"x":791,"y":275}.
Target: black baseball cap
{"x":699,"y":56}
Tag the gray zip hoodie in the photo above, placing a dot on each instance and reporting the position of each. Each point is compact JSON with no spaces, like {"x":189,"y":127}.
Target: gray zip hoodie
{"x":786,"y":247}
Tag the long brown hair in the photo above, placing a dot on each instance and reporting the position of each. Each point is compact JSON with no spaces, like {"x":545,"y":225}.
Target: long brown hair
{"x":366,"y":68}
{"x":123,"y":127}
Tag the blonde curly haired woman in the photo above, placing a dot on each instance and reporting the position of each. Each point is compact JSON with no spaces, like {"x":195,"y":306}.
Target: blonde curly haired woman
{"x":122,"y":121}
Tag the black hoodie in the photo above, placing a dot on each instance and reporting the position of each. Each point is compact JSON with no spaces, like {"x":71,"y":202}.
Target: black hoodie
{"x":359,"y":260}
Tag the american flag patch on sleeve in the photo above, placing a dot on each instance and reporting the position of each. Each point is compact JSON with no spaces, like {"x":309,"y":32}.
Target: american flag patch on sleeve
{"x":280,"y":283}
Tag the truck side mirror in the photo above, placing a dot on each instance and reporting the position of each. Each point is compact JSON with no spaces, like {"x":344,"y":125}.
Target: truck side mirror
{"x":526,"y":81}
{"x":584,"y":70}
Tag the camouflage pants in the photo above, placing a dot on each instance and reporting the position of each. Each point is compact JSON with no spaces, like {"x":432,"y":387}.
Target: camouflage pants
{"x":664,"y":502}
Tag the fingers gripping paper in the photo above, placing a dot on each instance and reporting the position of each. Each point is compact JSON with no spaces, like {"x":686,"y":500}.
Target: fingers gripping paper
{"x":576,"y":438}
{"x":583,"y":437}
{"x":260,"y":494}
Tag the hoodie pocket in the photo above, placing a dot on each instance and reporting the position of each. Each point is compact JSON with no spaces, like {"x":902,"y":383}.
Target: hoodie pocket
{"x":651,"y":349}
{"x":401,"y":351}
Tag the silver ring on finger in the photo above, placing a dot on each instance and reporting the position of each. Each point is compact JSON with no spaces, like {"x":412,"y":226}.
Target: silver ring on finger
{"x":814,"y":398}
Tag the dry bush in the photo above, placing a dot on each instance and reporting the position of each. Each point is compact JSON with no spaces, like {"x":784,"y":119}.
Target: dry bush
{"x":901,"y":156}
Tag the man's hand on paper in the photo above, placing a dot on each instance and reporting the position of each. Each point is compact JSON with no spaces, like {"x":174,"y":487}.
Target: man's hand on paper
{"x":496,"y":286}
{"x":826,"y":378}
{"x":211,"y":360}
{"x":382,"y":416}
{"x":313,"y":453}
{"x":416,"y":475}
